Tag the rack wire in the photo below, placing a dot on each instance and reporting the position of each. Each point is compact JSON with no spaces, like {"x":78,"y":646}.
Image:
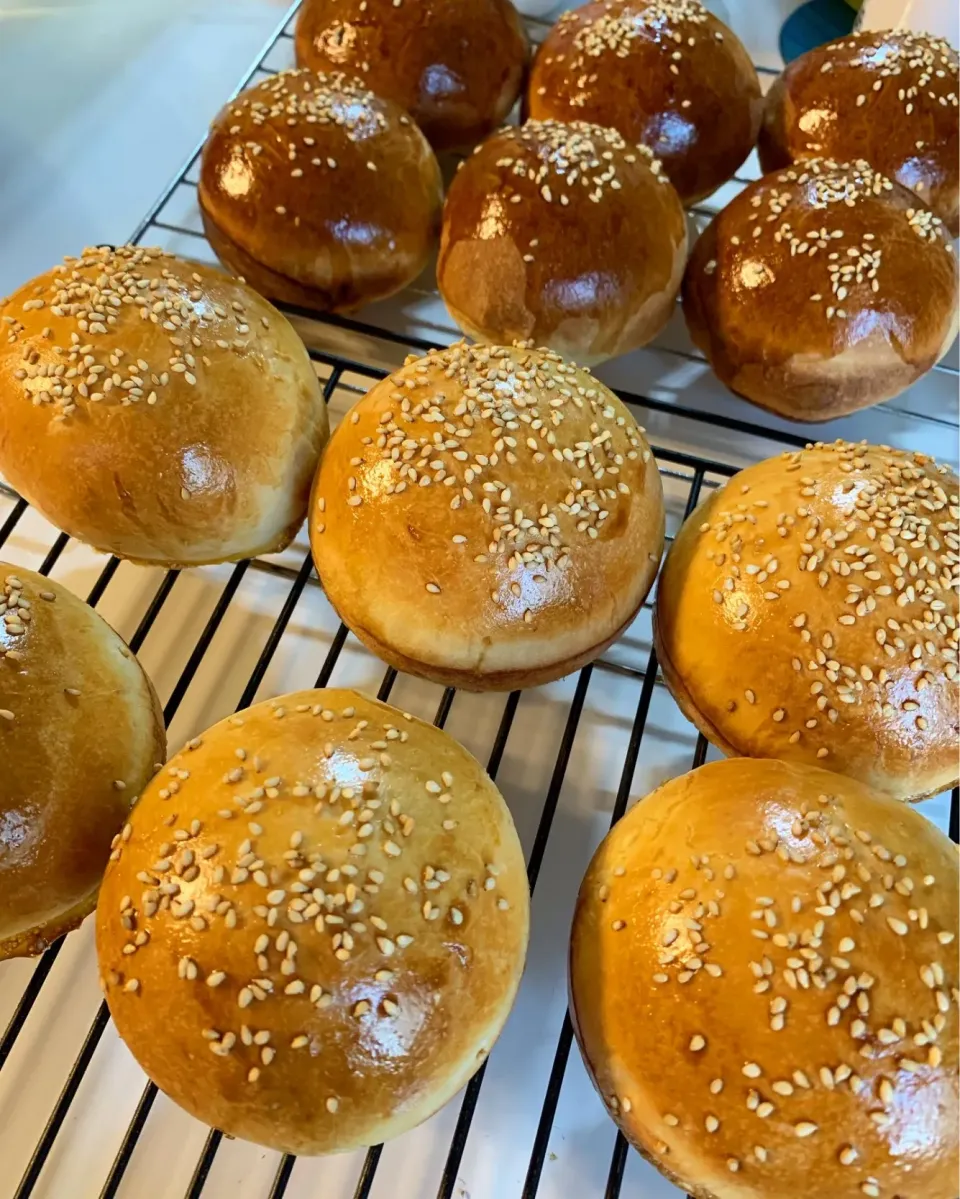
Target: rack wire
{"x":350,"y":356}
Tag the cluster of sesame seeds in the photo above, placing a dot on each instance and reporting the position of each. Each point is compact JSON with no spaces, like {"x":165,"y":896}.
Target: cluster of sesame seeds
{"x":558,"y":157}
{"x":481,"y":432}
{"x":290,"y":912}
{"x":16,"y":612}
{"x":92,"y":300}
{"x":675,"y":24}
{"x":885,"y":543}
{"x":782,"y":206}
{"x":846,"y":890}
{"x":304,"y":114}
{"x":918,"y":66}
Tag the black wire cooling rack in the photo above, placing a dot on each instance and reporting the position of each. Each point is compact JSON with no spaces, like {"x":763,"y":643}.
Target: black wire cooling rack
{"x":685,"y":476}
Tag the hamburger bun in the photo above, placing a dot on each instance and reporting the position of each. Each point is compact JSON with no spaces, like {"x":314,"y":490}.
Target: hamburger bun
{"x":822,"y":588}
{"x":81,"y":733}
{"x":822,"y":289}
{"x":312,"y":929}
{"x":487,"y":517}
{"x":318,"y":192}
{"x":889,"y":96}
{"x":665,"y":75}
{"x":763,"y":974}
{"x":157,"y":409}
{"x":565,"y":235}
{"x":456,"y":66}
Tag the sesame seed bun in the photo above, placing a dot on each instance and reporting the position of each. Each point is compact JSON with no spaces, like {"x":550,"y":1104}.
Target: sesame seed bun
{"x":319,"y":193}
{"x":456,"y":66}
{"x":157,"y":409}
{"x":763,"y":972}
{"x":822,"y":289}
{"x":565,"y":235}
{"x":311,"y":932}
{"x":81,"y":733}
{"x":822,"y":587}
{"x":667,"y":75}
{"x":889,"y":96}
{"x":488,"y":517}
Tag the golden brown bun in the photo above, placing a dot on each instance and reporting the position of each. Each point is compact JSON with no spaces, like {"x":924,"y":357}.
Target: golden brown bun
{"x":332,"y":927}
{"x":888,"y":96}
{"x":763,"y":974}
{"x":456,"y":66}
{"x":318,"y":192}
{"x":175,"y":416}
{"x":565,"y":235}
{"x":822,"y":289}
{"x":669,"y":76}
{"x":512,"y":555}
{"x":81,"y":733}
{"x":821,"y":588}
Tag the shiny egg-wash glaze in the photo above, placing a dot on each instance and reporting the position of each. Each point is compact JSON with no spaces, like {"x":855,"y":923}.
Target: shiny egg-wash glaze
{"x":318,"y":192}
{"x":792,"y":938}
{"x":822,"y":289}
{"x":888,"y":96}
{"x":81,"y":732}
{"x":489,"y":517}
{"x":157,"y":409}
{"x":456,"y":66}
{"x":822,"y":586}
{"x":563,"y":234}
{"x":667,"y":75}
{"x":312,"y":929}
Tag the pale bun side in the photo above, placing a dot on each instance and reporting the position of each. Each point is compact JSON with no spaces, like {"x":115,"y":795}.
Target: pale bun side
{"x":822,"y":587}
{"x":763,"y":978}
{"x":157,"y":409}
{"x":822,"y":289}
{"x":328,"y":909}
{"x":510,"y":552}
{"x":340,"y":198}
{"x":81,"y":733}
{"x":887,"y":95}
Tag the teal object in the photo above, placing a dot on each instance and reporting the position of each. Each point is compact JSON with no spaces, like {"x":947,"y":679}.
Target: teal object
{"x":812,"y":24}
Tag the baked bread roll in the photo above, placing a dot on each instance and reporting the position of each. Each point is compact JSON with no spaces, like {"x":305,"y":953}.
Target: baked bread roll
{"x":889,"y":96}
{"x":821,"y":586}
{"x":667,"y":75}
{"x":763,"y":975}
{"x":456,"y":66}
{"x":565,"y":235}
{"x":311,"y":931}
{"x":157,"y":409}
{"x":822,"y":289}
{"x":319,"y":193}
{"x":487,"y":517}
{"x":81,"y":733}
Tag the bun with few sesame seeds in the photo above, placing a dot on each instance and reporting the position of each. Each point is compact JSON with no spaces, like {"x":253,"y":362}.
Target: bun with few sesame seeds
{"x":664,"y":73}
{"x":81,"y":733}
{"x":312,"y":930}
{"x":888,"y":96}
{"x":565,"y":235}
{"x":488,"y":517}
{"x":822,"y":587}
{"x":319,"y":193}
{"x":822,"y":289}
{"x":763,"y":979}
{"x":157,"y":409}
{"x":456,"y":66}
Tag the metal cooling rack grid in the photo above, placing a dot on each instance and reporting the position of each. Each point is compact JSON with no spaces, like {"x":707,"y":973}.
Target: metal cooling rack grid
{"x":538,"y":744}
